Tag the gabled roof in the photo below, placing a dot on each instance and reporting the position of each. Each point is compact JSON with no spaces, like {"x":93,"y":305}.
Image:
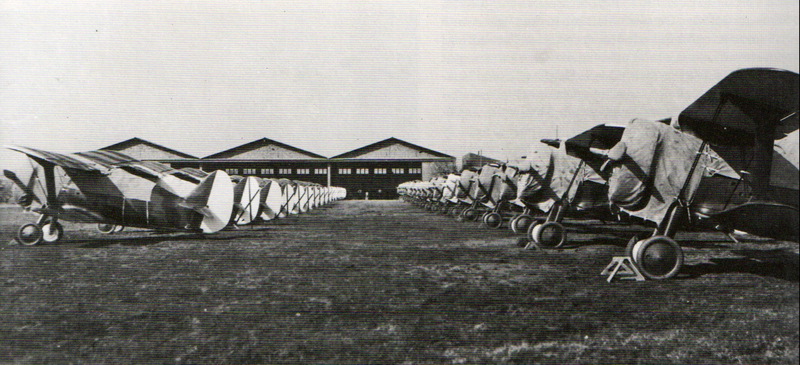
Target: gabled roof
{"x":393,"y":149}
{"x":473,"y":156}
{"x":264,"y":149}
{"x":146,"y":150}
{"x":474,"y":161}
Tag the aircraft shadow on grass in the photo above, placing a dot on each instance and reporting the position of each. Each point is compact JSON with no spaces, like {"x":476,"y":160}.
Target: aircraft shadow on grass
{"x":779,"y":263}
{"x":596,"y":241}
{"x":155,"y":238}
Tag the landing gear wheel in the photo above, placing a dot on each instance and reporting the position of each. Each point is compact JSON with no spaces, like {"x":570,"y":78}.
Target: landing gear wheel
{"x":460,"y":214}
{"x":629,"y":247}
{"x":511,"y":223}
{"x":29,"y":234}
{"x":532,"y":230}
{"x":52,"y":232}
{"x":547,"y":235}
{"x":658,"y":257}
{"x":106,"y":228}
{"x":520,"y":223}
{"x":470,"y":214}
{"x":492,"y":220}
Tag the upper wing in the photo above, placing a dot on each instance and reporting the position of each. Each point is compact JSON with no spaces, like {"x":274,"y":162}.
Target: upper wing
{"x":58,"y":159}
{"x":106,"y":158}
{"x":735,"y":108}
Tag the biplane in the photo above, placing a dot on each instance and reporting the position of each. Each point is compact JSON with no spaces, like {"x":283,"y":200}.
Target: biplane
{"x":729,"y":162}
{"x":497,"y":192}
{"x":464,"y":195}
{"x":449,"y":199}
{"x":555,"y":183}
{"x":113,"y":189}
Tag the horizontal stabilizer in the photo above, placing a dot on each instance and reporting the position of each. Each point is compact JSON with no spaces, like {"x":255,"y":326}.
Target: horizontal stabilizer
{"x":775,"y":220}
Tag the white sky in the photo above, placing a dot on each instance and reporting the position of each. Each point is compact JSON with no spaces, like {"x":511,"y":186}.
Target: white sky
{"x":331,"y":76}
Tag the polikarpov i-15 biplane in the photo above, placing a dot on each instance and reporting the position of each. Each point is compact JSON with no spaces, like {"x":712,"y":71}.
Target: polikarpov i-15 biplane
{"x":108,"y":187}
{"x":730,"y":162}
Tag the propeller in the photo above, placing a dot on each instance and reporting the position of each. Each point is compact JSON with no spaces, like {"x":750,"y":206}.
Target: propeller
{"x":28,"y":196}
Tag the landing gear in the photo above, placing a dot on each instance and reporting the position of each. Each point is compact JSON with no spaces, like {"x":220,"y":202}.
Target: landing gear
{"x":547,"y":235}
{"x":492,"y":220}
{"x":52,"y":232}
{"x":106,"y":228}
{"x":520,"y":223}
{"x":658,"y":257}
{"x":470,"y":214}
{"x":109,"y":228}
{"x":32,"y":234}
{"x":29,"y":234}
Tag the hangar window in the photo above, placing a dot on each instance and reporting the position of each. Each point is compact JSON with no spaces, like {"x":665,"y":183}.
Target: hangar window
{"x":249,"y":171}
{"x":362,"y":171}
{"x":232,"y":171}
{"x":396,"y":170}
{"x":267,"y":171}
{"x":285,"y":171}
{"x":302,"y":171}
{"x":415,"y":170}
{"x":380,"y":171}
{"x":345,"y":171}
{"x":320,"y":171}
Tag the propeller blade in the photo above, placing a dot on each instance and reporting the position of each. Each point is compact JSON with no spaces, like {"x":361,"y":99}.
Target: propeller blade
{"x":28,"y":196}
{"x":32,"y":180}
{"x":13,"y":177}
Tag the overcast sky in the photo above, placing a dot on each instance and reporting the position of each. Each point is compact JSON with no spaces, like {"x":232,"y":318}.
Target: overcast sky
{"x":331,"y":76}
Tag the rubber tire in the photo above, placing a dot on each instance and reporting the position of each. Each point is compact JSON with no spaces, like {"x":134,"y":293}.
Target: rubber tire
{"x":515,"y":223}
{"x":493,"y":220}
{"x":512,"y":222}
{"x":469,"y":214}
{"x":26,"y":239}
{"x":531,"y":229}
{"x":106,"y":228}
{"x":643,"y":252}
{"x":629,"y":247}
{"x":537,"y":235}
{"x":59,"y":234}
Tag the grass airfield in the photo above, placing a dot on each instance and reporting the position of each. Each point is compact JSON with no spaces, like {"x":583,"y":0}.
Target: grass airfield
{"x":387,"y":282}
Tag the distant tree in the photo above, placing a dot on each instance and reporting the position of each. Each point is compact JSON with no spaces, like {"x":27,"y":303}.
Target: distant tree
{"x":6,"y":191}
{"x":441,"y":168}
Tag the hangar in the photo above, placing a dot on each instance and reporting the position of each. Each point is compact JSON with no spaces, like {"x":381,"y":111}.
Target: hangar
{"x":375,"y":170}
{"x":268,"y":159}
{"x":149,"y":151}
{"x":372,"y":171}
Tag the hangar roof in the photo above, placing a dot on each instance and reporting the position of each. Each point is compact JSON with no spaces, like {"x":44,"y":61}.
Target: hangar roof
{"x":146,"y":150}
{"x":264,"y":149}
{"x":393,"y":149}
{"x":472,"y":160}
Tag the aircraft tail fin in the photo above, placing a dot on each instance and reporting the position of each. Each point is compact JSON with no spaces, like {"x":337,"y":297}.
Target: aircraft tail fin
{"x":213,"y":198}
